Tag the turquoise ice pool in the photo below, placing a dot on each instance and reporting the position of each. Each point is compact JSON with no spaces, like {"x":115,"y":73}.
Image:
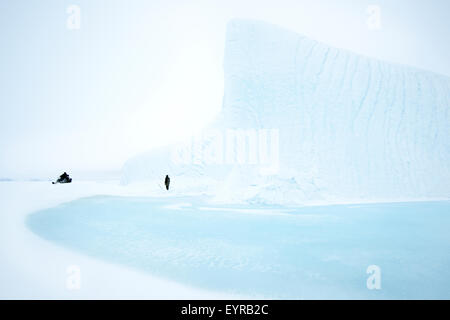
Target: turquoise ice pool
{"x":272,"y":252}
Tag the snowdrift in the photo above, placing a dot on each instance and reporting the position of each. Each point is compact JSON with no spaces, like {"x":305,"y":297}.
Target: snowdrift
{"x":304,"y":122}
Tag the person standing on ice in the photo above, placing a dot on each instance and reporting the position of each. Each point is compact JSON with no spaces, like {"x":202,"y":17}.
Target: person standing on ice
{"x":167,"y":182}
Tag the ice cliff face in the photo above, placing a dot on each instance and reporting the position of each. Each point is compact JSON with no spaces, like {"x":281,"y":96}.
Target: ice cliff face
{"x":302,"y":122}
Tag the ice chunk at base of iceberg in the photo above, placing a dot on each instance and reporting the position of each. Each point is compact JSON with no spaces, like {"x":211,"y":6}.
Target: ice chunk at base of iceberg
{"x":338,"y":126}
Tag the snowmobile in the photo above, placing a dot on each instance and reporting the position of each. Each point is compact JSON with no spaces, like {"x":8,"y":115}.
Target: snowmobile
{"x":64,"y":178}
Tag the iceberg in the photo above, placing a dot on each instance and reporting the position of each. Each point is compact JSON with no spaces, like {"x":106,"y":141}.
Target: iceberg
{"x":304,"y":122}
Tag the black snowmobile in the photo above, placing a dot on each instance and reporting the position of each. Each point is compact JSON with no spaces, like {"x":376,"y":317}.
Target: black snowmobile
{"x":64,"y":178}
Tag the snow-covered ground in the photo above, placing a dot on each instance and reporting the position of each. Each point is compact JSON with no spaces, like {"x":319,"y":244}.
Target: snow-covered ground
{"x":129,"y":242}
{"x":33,"y":268}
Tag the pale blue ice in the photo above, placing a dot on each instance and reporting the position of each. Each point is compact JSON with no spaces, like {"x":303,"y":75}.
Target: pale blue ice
{"x":350,"y":128}
{"x":264,"y":251}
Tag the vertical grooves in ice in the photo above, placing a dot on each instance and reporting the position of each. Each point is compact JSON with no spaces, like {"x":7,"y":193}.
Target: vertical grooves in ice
{"x":350,"y":127}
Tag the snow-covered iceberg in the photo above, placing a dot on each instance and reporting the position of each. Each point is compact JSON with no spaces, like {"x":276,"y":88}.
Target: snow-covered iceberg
{"x":302,"y":121}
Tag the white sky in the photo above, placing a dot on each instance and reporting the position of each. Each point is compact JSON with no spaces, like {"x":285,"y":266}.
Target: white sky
{"x":140,"y":74}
